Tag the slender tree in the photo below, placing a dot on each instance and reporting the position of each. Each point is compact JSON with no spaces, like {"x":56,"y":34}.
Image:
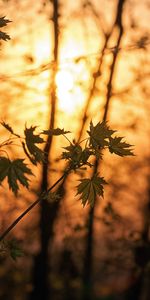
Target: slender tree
{"x":48,"y":211}
{"x":88,"y":261}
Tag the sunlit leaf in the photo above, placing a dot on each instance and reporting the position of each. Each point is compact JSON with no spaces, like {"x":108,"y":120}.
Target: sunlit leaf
{"x":120,"y":148}
{"x":15,"y":172}
{"x":99,"y":134}
{"x":56,"y":131}
{"x":89,"y":188}
{"x":34,"y":153}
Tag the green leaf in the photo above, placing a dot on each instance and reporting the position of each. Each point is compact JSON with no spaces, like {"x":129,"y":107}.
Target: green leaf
{"x":99,"y":135}
{"x":56,"y":131}
{"x":120,"y":148}
{"x":89,"y":188}
{"x":15,"y":172}
{"x":34,"y":153}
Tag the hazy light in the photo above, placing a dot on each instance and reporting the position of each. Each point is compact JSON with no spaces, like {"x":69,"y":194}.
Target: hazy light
{"x":65,"y":83}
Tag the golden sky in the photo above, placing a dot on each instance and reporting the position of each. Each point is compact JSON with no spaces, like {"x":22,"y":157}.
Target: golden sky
{"x":27,"y":61}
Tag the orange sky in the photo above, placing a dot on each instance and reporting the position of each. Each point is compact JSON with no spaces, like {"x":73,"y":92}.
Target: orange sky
{"x":27,"y":58}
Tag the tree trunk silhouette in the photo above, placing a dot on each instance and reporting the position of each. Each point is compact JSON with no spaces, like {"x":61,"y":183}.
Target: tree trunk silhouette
{"x":48,"y":211}
{"x":88,"y":261}
{"x":140,"y":290}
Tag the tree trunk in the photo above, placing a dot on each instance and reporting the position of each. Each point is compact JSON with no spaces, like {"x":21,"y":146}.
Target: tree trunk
{"x":48,"y":211}
{"x":87,"y":267}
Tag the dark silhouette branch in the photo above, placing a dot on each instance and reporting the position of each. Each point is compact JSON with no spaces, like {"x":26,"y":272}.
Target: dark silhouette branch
{"x":88,"y":261}
{"x":13,"y":225}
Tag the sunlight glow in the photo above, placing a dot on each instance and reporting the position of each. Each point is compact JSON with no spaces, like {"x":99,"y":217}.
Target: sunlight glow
{"x":65,"y":83}
{"x":42,"y":50}
{"x":64,"y":80}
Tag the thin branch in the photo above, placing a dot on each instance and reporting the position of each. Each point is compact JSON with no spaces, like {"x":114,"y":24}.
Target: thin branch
{"x":5,"y":233}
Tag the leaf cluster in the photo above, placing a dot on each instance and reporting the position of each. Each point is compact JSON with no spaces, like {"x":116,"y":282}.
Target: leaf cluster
{"x":78,"y":157}
{"x":101,"y":137}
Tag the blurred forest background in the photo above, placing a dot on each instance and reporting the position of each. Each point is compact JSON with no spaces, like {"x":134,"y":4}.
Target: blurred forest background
{"x":69,"y":62}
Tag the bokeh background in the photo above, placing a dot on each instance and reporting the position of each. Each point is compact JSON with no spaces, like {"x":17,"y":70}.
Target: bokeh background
{"x":69,"y":62}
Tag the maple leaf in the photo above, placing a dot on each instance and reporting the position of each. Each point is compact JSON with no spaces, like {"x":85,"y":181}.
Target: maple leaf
{"x":99,"y":135}
{"x":73,"y":151}
{"x":15,"y":172}
{"x":34,"y":153}
{"x":4,"y":167}
{"x":3,"y":21}
{"x":120,"y":148}
{"x":76,"y":155}
{"x":89,"y":188}
{"x":56,"y":131}
{"x":86,"y":153}
{"x":4,"y":36}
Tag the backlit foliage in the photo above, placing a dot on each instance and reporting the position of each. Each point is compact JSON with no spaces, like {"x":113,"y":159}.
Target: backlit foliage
{"x":77,"y":156}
